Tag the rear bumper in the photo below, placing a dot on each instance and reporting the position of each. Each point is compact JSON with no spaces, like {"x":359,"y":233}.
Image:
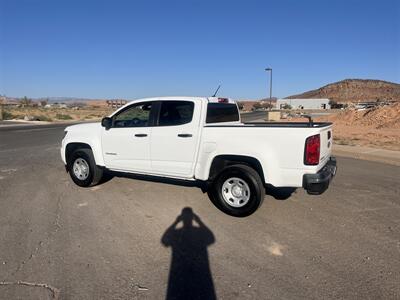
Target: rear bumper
{"x":316,"y":184}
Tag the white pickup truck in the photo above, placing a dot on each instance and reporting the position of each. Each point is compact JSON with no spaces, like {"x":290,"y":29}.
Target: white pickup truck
{"x":202,"y":139}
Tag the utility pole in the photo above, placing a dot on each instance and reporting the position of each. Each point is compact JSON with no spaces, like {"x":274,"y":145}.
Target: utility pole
{"x":270,"y":87}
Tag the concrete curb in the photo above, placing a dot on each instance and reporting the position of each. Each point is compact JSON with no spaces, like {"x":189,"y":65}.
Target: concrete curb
{"x":367,"y":153}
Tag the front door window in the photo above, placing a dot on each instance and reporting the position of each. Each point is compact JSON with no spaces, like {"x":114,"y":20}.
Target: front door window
{"x":137,"y":115}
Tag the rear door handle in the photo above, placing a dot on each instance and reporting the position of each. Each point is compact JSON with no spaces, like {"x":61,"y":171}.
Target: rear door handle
{"x":185,"y":135}
{"x":140,"y":135}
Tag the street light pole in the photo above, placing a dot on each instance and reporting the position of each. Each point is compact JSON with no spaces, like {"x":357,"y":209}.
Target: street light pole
{"x":270,"y":86}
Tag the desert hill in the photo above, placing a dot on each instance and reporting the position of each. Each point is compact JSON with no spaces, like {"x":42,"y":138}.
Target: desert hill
{"x":355,"y":90}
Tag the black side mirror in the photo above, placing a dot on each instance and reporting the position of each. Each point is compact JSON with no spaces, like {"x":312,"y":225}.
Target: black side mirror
{"x":106,"y":122}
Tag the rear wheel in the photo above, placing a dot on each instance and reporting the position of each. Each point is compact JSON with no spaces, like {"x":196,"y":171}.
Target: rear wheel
{"x":83,"y":169}
{"x":237,"y":191}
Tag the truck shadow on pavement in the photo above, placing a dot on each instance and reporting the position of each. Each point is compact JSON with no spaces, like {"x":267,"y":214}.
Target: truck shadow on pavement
{"x":189,"y":274}
{"x":150,"y":178}
{"x":281,"y":193}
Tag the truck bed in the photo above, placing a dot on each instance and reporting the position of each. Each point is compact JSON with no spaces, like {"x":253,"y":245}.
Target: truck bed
{"x":278,"y":146}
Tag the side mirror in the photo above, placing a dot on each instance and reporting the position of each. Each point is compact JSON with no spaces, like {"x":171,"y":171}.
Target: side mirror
{"x":106,"y":122}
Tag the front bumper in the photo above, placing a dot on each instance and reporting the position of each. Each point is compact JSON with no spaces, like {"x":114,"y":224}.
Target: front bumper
{"x":316,"y":184}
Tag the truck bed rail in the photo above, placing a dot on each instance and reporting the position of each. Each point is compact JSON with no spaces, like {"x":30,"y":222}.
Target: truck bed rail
{"x":277,"y":124}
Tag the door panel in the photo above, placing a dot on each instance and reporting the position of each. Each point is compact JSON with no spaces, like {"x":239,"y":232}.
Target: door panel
{"x":126,"y":145}
{"x":174,"y":141}
{"x":127,"y":148}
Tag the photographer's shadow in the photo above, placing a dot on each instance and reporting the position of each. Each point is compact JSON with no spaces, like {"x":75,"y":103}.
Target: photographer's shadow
{"x":189,"y":275}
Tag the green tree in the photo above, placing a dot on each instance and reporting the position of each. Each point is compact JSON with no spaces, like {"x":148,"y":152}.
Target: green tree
{"x":286,"y":106}
{"x":25,"y":101}
{"x":333,"y":104}
{"x":2,"y":100}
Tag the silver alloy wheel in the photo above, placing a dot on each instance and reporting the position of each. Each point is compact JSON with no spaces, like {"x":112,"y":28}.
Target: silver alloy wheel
{"x":236,"y":192}
{"x":81,"y":168}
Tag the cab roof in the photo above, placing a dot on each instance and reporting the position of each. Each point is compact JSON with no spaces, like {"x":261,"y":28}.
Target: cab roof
{"x":185,"y":98}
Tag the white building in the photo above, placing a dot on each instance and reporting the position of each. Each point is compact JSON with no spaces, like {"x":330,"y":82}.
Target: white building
{"x":303,"y":103}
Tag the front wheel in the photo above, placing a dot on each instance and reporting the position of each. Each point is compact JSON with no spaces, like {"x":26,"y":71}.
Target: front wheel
{"x":83,"y":169}
{"x":237,"y":191}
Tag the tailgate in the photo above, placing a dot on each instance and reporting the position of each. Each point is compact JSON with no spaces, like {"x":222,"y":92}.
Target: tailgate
{"x":326,"y":144}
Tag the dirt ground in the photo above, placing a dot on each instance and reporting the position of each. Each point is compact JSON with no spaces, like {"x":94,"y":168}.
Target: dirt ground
{"x":377,"y":128}
{"x":88,"y":112}
{"x":367,"y":136}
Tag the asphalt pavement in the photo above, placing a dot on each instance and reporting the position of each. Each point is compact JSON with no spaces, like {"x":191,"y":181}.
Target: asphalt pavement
{"x":132,"y":238}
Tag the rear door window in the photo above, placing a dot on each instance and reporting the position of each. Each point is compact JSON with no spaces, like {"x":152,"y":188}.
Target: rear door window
{"x":174,"y":113}
{"x":222,"y":112}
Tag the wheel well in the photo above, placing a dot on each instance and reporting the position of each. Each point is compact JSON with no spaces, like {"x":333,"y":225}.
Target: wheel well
{"x":71,"y":147}
{"x":222,"y":161}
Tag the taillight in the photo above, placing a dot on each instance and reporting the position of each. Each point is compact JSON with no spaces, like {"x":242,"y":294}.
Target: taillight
{"x":223,"y":100}
{"x":311,"y":151}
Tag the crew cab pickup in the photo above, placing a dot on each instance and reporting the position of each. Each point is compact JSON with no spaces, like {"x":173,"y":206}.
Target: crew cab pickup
{"x":202,"y":139}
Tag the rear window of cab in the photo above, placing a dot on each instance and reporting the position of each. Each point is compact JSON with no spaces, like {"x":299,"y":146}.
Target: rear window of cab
{"x":222,"y":112}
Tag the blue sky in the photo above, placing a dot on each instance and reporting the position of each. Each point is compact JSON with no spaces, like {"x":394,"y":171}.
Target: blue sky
{"x":132,"y":49}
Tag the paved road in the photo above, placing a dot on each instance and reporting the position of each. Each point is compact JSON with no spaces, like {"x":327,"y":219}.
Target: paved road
{"x":8,"y":126}
{"x":254,"y":116}
{"x":118,"y":240}
{"x":7,"y":122}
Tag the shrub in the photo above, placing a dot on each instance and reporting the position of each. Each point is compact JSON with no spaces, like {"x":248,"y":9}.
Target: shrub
{"x":267,"y":105}
{"x":257,"y":105}
{"x":7,"y":115}
{"x":42,"y":118}
{"x":63,"y":117}
{"x":286,"y":106}
{"x":25,"y":101}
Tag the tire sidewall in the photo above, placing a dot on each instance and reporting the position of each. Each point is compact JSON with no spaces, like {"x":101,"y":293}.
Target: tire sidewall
{"x":82,"y":153}
{"x":255,"y":192}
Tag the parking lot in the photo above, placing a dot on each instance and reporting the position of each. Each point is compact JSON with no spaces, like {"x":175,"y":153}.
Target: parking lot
{"x":132,"y":238}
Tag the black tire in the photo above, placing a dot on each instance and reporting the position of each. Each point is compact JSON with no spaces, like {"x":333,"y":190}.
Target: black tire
{"x":249,"y":176}
{"x":95,"y":173}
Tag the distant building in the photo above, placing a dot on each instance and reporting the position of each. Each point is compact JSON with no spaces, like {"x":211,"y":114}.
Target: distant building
{"x":116,"y":103}
{"x":9,"y":103}
{"x":303,"y":104}
{"x":62,"y":105}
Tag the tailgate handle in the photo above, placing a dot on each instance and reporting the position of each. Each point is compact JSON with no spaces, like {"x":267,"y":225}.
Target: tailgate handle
{"x":184,"y":135}
{"x":140,"y":135}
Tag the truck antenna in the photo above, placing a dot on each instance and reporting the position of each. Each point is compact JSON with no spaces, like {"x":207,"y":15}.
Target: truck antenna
{"x":216,"y":91}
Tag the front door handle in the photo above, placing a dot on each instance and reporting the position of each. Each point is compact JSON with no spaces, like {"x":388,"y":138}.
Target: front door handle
{"x":185,"y":135}
{"x":140,"y":135}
